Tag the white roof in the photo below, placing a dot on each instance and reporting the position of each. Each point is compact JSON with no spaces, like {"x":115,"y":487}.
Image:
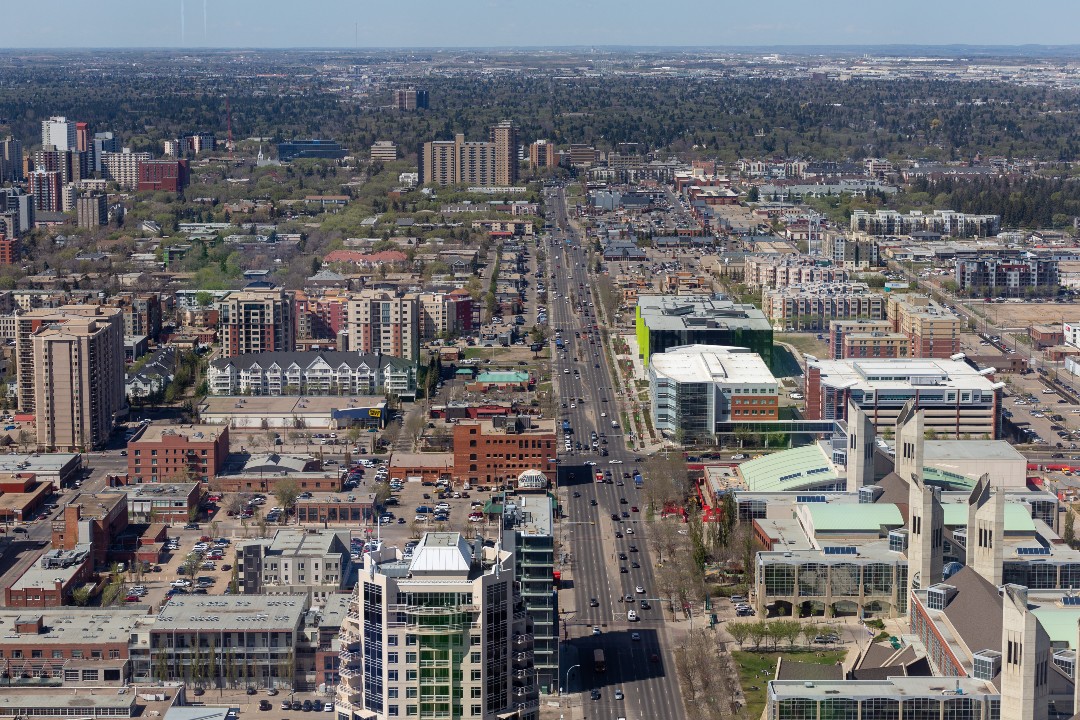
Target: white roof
{"x":712,"y":363}
{"x":906,"y":373}
{"x":441,"y":552}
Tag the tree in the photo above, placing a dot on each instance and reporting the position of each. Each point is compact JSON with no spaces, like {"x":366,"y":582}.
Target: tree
{"x":25,"y":438}
{"x":286,"y":492}
{"x":1069,"y":533}
{"x":739,"y":631}
{"x":414,"y":425}
{"x":80,"y":596}
{"x":382,"y":493}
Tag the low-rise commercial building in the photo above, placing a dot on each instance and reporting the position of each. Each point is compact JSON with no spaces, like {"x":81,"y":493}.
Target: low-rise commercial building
{"x":498,"y":450}
{"x":294,"y":412}
{"x":294,"y":562}
{"x":693,"y":388}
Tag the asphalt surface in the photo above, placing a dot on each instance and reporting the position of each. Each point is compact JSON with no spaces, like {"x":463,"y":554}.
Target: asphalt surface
{"x":643,"y":669}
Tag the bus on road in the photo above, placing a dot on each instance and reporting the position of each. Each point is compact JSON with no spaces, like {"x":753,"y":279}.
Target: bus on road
{"x":598,"y":661}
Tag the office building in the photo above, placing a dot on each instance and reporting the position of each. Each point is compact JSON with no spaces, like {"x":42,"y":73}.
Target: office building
{"x":528,"y":531}
{"x":933,"y":331}
{"x":382,"y":322}
{"x":305,"y":149}
{"x":383,"y":151}
{"x":11,"y":160}
{"x":439,"y":634}
{"x":46,"y":187}
{"x":775,"y":271}
{"x":256,"y":321}
{"x":664,"y":322}
{"x":58,"y":133}
{"x":92,"y":211}
{"x":542,"y":154}
{"x":102,"y":142}
{"x":163,"y":453}
{"x":79,"y":380}
{"x":582,"y":155}
{"x":298,"y":561}
{"x":122,"y":167}
{"x":407,"y":99}
{"x":498,"y":450}
{"x":810,"y":308}
{"x":504,"y":136}
{"x":320,"y":372}
{"x":695,"y":388}
{"x":167,"y":175}
{"x":941,"y":222}
{"x":959,"y":401}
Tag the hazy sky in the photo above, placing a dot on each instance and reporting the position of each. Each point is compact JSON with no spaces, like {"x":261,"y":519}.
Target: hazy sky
{"x":427,"y":23}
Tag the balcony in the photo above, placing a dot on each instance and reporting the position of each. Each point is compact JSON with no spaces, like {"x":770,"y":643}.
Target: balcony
{"x":523,"y":660}
{"x":523,"y":642}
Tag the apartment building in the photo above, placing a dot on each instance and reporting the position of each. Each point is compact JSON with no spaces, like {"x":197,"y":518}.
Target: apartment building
{"x":839,"y":329}
{"x":382,"y":322}
{"x":445,"y":315}
{"x":79,"y":380}
{"x":256,"y":320}
{"x":122,"y":167}
{"x":441,"y":633}
{"x":996,"y":276}
{"x":142,"y":313}
{"x":695,"y":388}
{"x":46,"y":188}
{"x":498,"y":450}
{"x":58,"y":132}
{"x":318,"y":372}
{"x":772,"y":271}
{"x":933,"y":331}
{"x":504,"y":136}
{"x":408,"y":99}
{"x":528,"y":531}
{"x":9,"y":251}
{"x":11,"y":160}
{"x":171,"y":452}
{"x":92,"y":211}
{"x":296,"y":561}
{"x":164,"y":175}
{"x":97,"y":519}
{"x":942,"y":222}
{"x":320,"y":316}
{"x":958,"y":400}
{"x":542,"y":154}
{"x":850,"y":253}
{"x":811,"y":307}
{"x":875,"y":345}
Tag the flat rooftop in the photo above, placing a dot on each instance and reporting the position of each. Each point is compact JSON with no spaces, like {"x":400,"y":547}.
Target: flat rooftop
{"x":149,"y":491}
{"x":434,"y":461}
{"x":194,"y":433}
{"x":256,"y":613}
{"x":712,"y":363}
{"x":39,"y":577}
{"x":894,"y":687}
{"x":994,"y":450}
{"x":288,"y":404}
{"x":63,"y":626}
{"x":702,"y":312}
{"x":923,"y":374}
{"x":301,"y":542}
{"x":36,"y":462}
{"x":532,"y":514}
{"x":69,"y":700}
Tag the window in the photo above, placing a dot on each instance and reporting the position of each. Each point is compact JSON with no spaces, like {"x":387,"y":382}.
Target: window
{"x":392,"y":692}
{"x":392,"y":658}
{"x":474,"y":657}
{"x":410,"y":709}
{"x":392,"y":640}
{"x":477,"y":709}
{"x":392,"y":675}
{"x":410,"y":658}
{"x":410,"y":692}
{"x":392,"y":710}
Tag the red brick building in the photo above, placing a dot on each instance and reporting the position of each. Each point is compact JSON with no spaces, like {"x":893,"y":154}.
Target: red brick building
{"x":52,"y":581}
{"x":167,"y":175}
{"x":9,"y":250}
{"x":99,"y":519}
{"x":21,"y":494}
{"x":172,"y":453}
{"x":501,"y":449}
{"x":54,"y":644}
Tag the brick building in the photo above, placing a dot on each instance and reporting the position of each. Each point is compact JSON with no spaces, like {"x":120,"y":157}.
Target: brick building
{"x":256,"y":320}
{"x":500,"y":449}
{"x":58,"y":644}
{"x":167,"y":175}
{"x":91,"y":518}
{"x":163,"y":452}
{"x":52,"y":581}
{"x":9,"y":250}
{"x":932,"y":330}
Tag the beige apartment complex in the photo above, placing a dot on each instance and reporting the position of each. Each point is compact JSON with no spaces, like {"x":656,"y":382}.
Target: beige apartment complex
{"x":381,"y":322}
{"x":933,"y":330}
{"x":78,"y":383}
{"x":462,"y":162}
{"x":255,"y":321}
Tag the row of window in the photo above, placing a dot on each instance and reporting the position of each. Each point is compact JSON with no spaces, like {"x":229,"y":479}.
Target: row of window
{"x":74,"y":654}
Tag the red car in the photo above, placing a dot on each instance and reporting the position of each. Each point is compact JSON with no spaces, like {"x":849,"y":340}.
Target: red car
{"x":132,"y":598}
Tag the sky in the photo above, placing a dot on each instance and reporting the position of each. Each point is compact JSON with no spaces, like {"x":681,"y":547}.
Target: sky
{"x":508,"y":23}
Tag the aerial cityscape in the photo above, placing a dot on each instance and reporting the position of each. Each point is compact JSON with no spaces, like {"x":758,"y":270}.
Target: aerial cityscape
{"x":511,"y":372}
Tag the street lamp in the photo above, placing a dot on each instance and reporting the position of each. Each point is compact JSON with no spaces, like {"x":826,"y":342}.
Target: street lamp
{"x":567,"y":682}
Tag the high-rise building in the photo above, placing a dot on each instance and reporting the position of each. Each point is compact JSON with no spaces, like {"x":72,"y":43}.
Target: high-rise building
{"x":46,"y":188}
{"x":103,"y":142}
{"x":123,"y":167}
{"x":9,"y":250}
{"x":458,"y":162}
{"x":167,"y":175}
{"x":78,"y":380}
{"x":255,"y":321}
{"x":16,"y":211}
{"x":384,"y":151}
{"x":542,"y":154}
{"x":69,"y":163}
{"x":410,"y":99}
{"x":59,"y":133}
{"x":381,"y":322}
{"x":92,"y":211}
{"x":437,"y":633}
{"x":505,"y":138}
{"x":11,"y":160}
{"x":82,"y":136}
{"x":445,"y":315}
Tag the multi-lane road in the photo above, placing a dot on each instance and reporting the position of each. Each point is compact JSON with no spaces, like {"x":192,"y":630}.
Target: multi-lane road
{"x":603,"y":551}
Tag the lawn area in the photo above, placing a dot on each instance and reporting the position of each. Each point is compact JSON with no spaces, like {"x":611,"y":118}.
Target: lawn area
{"x":752,"y":665}
{"x":804,"y":343}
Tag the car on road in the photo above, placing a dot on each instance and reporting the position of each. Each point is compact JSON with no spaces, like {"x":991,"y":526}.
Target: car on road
{"x":629,"y":531}
{"x":595,"y":629}
{"x":615,"y":462}
{"x":595,"y":694}
{"x":635,"y":565}
{"x":622,"y":569}
{"x":644,"y":605}
{"x":632,"y":616}
{"x":619,"y":692}
{"x":640,"y":590}
{"x":593,"y":602}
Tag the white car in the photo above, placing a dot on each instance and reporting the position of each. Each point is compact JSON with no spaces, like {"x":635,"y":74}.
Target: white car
{"x":614,"y":462}
{"x":181,"y":583}
{"x":639,"y":590}
{"x":631,"y":615}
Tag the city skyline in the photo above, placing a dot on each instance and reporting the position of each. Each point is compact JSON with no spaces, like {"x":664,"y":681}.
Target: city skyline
{"x":510,"y":23}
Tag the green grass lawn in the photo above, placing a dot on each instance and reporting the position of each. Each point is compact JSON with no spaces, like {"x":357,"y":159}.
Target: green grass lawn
{"x":804,"y":343}
{"x":752,"y":665}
